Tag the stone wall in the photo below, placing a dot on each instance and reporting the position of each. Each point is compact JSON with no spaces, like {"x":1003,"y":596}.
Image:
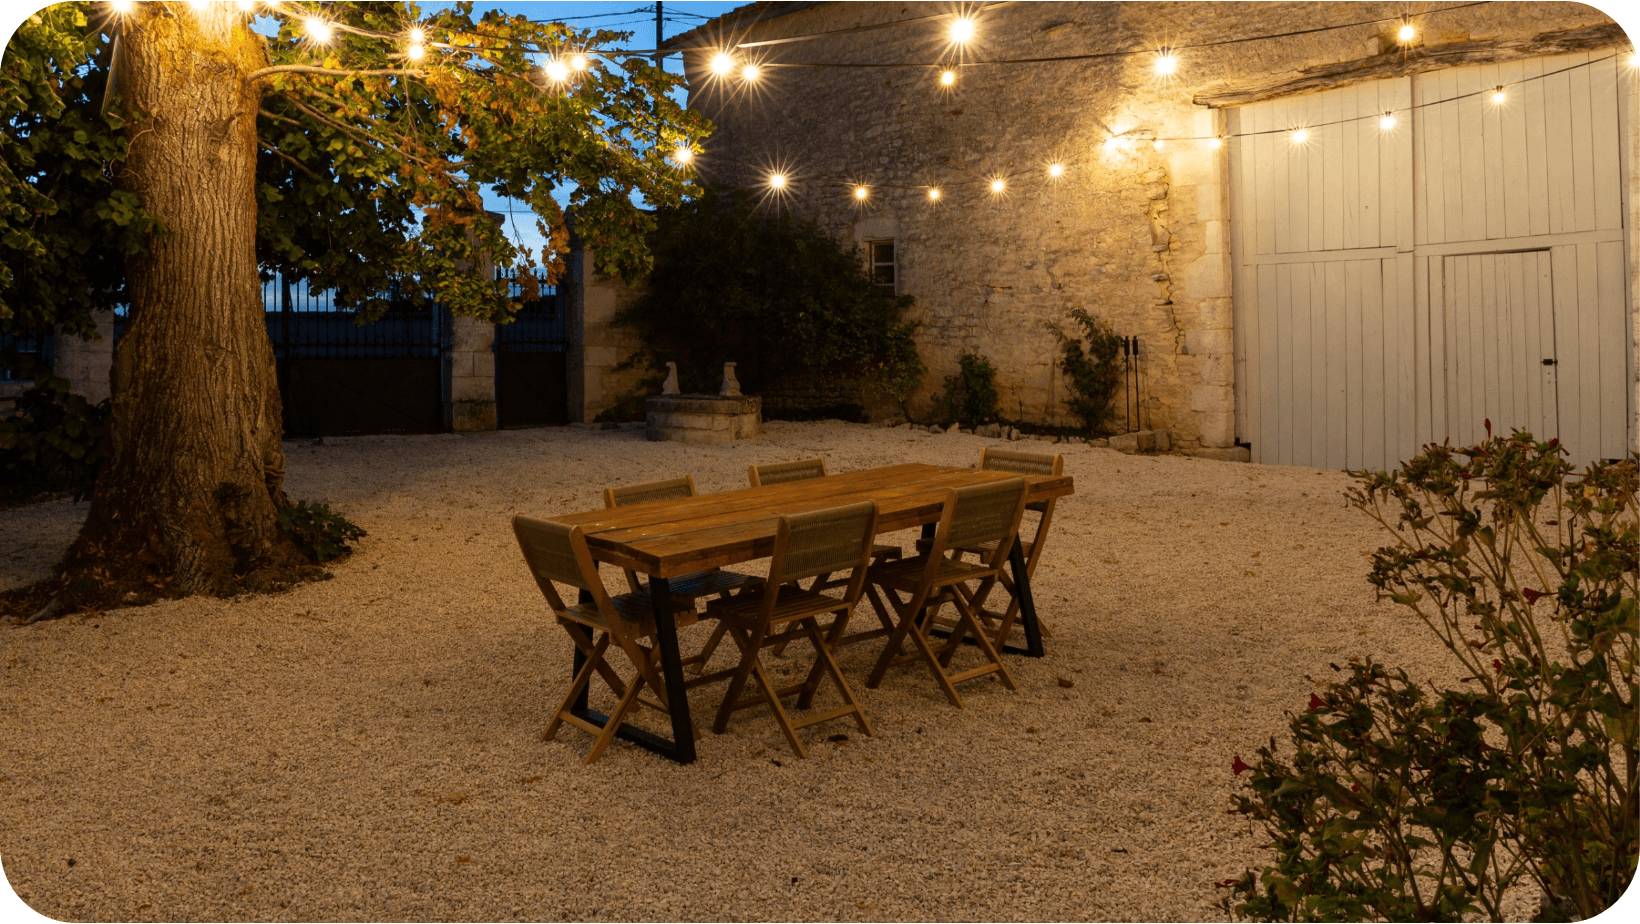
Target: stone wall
{"x":1135,"y":232}
{"x":596,"y":346}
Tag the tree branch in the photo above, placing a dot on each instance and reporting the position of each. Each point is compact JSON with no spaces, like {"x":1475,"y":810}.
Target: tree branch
{"x":330,"y":72}
{"x":287,"y":159}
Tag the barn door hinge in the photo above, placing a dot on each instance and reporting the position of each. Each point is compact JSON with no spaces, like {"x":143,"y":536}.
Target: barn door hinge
{"x":1549,"y":362}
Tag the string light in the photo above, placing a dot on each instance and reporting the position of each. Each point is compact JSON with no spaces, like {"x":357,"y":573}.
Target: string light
{"x":121,"y":6}
{"x":1215,"y":143}
{"x":1406,"y":33}
{"x":417,"y":35}
{"x":579,"y":62}
{"x":750,"y":73}
{"x":1157,"y":144}
{"x":1056,"y":170}
{"x":683,"y":154}
{"x":246,"y":5}
{"x":997,"y":185}
{"x":557,"y":71}
{"x":1300,"y":135}
{"x":861,"y":193}
{"x":722,"y":64}
{"x":317,"y":29}
{"x":1167,"y":63}
{"x":948,"y":78}
{"x":777,"y":181}
{"x":962,"y":30}
{"x":934,"y":195}
{"x":1498,"y":96}
{"x":415,"y":52}
{"x":1386,"y":122}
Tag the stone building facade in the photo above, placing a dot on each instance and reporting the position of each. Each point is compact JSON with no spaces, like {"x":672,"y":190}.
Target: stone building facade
{"x":1135,"y":230}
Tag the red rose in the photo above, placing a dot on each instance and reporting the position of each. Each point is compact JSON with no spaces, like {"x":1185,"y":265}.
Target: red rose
{"x":1237,"y":766}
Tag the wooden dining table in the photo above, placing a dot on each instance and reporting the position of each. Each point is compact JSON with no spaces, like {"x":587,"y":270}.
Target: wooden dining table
{"x":665,"y":539}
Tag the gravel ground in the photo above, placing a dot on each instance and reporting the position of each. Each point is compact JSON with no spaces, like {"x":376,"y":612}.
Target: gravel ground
{"x":367,"y":747}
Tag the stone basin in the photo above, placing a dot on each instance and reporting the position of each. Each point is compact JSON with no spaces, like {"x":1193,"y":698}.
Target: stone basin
{"x":703,"y":418}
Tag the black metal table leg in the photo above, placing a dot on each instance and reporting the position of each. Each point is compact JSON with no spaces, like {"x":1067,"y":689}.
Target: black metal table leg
{"x":677,"y":699}
{"x":1027,"y":606}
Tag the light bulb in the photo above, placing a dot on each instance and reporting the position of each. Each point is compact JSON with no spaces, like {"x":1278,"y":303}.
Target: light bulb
{"x":557,"y":71}
{"x":1634,"y":59}
{"x":1157,"y":144}
{"x":579,"y":62}
{"x":1498,"y":96}
{"x":962,"y":30}
{"x":1215,"y":143}
{"x":417,"y":34}
{"x":317,"y":29}
{"x":751,"y":72}
{"x":860,"y":192}
{"x":933,"y":194}
{"x":1406,"y":33}
{"x":1166,"y":64}
{"x":683,"y":154}
{"x":998,"y":186}
{"x":415,"y":52}
{"x":1110,"y":143}
{"x":722,"y":64}
{"x":1300,"y":135}
{"x":948,"y":78}
{"x":121,"y":6}
{"x":245,"y":6}
{"x":1387,"y":121}
{"x":1056,"y":170}
{"x":777,"y":181}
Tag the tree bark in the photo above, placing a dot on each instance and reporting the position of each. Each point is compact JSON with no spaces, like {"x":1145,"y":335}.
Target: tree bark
{"x":188,"y":498}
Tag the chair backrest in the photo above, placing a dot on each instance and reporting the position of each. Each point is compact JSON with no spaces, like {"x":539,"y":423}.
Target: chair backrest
{"x":782,"y":472}
{"x":997,"y":459}
{"x":670,"y":489}
{"x":825,"y":542}
{"x":558,"y":552}
{"x":986,"y":513}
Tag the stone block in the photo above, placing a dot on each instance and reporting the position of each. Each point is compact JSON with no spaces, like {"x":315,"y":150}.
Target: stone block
{"x":472,"y":416}
{"x":1210,"y":203}
{"x":1208,"y":276}
{"x":461,"y":363}
{"x":471,"y":334}
{"x":1208,"y":342}
{"x":1164,"y":440}
{"x":1216,"y":314}
{"x":472,"y":388}
{"x":1218,"y":429}
{"x":1137,"y":441}
{"x":1211,"y":398}
{"x":86,"y":363}
{"x":1193,"y":165}
{"x":702,"y":418}
{"x":1217,"y":369}
{"x":1223,"y":454}
{"x":1215,"y":237}
{"x":484,"y":364}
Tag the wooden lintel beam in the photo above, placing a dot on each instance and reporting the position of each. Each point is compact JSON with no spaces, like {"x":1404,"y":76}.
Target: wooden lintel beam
{"x":1398,"y":63}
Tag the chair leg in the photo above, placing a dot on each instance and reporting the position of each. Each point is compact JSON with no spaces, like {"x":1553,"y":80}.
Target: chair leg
{"x":737,"y":683}
{"x":991,"y":653}
{"x":584,"y":677}
{"x":616,"y":717}
{"x":697,"y":664}
{"x":919,"y":635}
{"x":833,"y":634}
{"x":772,"y":696}
{"x":824,"y":659}
{"x":896,"y":639}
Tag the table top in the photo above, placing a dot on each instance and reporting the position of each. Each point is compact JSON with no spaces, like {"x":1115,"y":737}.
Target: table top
{"x":668,"y":538}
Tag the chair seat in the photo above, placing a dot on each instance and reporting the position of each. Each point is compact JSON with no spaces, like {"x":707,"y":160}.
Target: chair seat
{"x":792,"y":604}
{"x":983,"y":550}
{"x":906,"y":574}
{"x":878,"y":550}
{"x":637,"y":609}
{"x":691,"y":587}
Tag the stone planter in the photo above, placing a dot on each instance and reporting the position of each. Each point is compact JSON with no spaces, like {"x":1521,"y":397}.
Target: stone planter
{"x":703,"y":418}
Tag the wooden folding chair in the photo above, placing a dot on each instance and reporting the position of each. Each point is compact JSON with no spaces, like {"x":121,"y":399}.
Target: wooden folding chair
{"x":973,"y":516}
{"x":997,"y":459}
{"x":806,"y":545}
{"x":687,"y":589}
{"x":558,"y":553}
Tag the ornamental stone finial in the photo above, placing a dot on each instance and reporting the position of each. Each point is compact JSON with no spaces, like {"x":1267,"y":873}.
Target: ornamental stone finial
{"x":670,"y":386}
{"x":731,"y":385}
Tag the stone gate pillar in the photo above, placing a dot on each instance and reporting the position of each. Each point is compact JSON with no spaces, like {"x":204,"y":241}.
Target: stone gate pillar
{"x":469,"y":366}
{"x":87,"y":363}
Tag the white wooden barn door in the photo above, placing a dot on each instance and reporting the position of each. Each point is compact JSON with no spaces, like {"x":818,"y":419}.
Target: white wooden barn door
{"x":1401,"y":285}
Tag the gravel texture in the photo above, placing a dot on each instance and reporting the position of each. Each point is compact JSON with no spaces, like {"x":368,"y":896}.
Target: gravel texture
{"x":367,"y":747}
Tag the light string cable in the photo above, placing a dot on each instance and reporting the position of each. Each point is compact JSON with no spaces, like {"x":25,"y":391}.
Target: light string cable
{"x":1059,"y":168}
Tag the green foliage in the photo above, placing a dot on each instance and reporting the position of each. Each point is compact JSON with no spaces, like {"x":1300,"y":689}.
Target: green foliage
{"x":1403,"y":802}
{"x":319,"y":533}
{"x":970,"y":396}
{"x":51,"y":442}
{"x":1095,"y":372}
{"x":779,"y":298}
{"x":63,"y":224}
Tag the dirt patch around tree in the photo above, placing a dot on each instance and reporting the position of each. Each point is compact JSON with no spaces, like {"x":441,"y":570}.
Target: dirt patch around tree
{"x":367,"y":748}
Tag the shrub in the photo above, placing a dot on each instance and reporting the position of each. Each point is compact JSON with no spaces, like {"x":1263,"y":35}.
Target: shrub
{"x":1095,"y":373}
{"x":970,"y":396}
{"x":52,"y":441}
{"x":779,"y":298}
{"x":319,"y":533}
{"x":1410,"y":802}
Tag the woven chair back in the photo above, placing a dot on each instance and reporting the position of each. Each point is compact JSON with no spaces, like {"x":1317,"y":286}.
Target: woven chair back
{"x":985,"y":513}
{"x":556,"y":552}
{"x":827,"y":541}
{"x":1020,"y":463}
{"x":670,"y":489}
{"x":782,"y":472}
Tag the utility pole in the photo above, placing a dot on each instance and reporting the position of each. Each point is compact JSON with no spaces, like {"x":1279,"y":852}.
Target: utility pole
{"x":658,"y":56}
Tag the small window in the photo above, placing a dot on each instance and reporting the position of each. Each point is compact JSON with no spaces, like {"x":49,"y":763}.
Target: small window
{"x":882,"y":266}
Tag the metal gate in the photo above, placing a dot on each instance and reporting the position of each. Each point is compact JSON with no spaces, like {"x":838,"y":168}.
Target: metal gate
{"x":338,"y":377}
{"x":531,"y":368}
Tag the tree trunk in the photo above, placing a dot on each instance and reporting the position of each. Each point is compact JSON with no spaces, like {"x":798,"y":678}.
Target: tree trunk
{"x":187,"y":500}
